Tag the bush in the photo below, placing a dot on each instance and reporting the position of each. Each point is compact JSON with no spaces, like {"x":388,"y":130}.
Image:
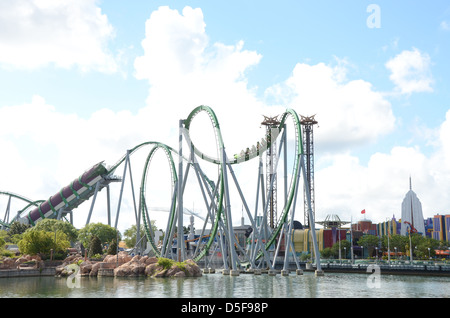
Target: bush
{"x":7,"y":253}
{"x":104,"y":232}
{"x":36,"y":241}
{"x":166,"y":263}
{"x":52,"y":225}
{"x":112,"y":248}
{"x":95,"y":246}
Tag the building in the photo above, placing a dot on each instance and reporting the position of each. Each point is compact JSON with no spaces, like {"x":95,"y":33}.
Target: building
{"x":441,"y":227}
{"x":390,"y":227}
{"x":366,"y":227}
{"x":325,"y":238}
{"x":331,"y":233}
{"x":412,"y":215}
{"x":429,"y":227}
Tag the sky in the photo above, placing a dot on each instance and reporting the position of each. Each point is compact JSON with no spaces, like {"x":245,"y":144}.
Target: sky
{"x":82,"y":81}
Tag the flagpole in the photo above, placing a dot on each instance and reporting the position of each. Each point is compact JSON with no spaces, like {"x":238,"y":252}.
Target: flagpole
{"x":351,"y":236}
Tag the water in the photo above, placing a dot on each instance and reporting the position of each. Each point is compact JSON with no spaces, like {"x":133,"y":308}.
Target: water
{"x":330,"y":285}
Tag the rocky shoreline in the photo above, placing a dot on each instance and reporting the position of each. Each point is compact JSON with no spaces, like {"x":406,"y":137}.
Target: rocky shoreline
{"x":121,"y":265}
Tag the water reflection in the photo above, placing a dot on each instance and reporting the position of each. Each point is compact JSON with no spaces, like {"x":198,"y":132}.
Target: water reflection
{"x":220,"y":286}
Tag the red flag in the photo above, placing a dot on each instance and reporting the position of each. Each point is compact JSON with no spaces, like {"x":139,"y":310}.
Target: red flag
{"x":363,"y":211}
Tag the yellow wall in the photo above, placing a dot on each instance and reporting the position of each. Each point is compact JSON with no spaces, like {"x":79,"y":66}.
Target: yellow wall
{"x":303,"y":241}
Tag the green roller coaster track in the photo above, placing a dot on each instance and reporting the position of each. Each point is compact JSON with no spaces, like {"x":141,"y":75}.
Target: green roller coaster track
{"x":221,"y":161}
{"x":22,"y":198}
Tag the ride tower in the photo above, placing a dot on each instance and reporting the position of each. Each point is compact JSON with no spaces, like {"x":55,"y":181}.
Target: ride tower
{"x":271,"y":124}
{"x":308,"y":148}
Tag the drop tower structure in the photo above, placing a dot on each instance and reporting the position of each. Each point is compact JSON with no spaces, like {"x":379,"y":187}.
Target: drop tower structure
{"x":308,"y":147}
{"x":271,"y":124}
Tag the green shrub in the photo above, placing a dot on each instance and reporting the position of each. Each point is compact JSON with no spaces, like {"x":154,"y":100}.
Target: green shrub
{"x":166,"y":263}
{"x":95,"y":246}
{"x":36,"y":241}
{"x":112,"y":248}
{"x":7,"y":253}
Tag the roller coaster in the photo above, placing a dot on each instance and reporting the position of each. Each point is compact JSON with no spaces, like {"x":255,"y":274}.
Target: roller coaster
{"x":217,"y":231}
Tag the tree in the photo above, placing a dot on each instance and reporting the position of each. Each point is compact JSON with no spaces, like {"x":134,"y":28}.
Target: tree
{"x":345,"y":247}
{"x":35,"y":241}
{"x":95,"y":246}
{"x":104,"y":232}
{"x":131,"y":234}
{"x":369,"y":242}
{"x":4,"y":235}
{"x":50,"y":225}
{"x":326,"y":252}
{"x":112,"y":248}
{"x":396,"y":241}
{"x":426,"y":248}
{"x":16,"y":230}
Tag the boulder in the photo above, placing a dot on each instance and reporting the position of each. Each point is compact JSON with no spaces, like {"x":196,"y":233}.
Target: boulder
{"x":134,"y":267}
{"x":85,"y":268}
{"x":192,"y":269}
{"x":173,"y":271}
{"x":161,"y":273}
{"x":8,"y":263}
{"x":189,"y":269}
{"x":94,"y":269}
{"x":29,"y":261}
{"x":121,"y":258}
{"x":151,"y":260}
{"x":152,"y":269}
{"x":180,"y":274}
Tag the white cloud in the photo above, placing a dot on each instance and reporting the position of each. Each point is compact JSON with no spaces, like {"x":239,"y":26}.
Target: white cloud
{"x":184,"y":70}
{"x":47,"y":149}
{"x":345,"y":186}
{"x":445,"y":26}
{"x":64,"y":33}
{"x":349,"y":112}
{"x":411,"y":72}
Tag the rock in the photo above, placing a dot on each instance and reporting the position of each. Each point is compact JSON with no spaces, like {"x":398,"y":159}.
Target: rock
{"x":193,"y":271}
{"x":122,"y":271}
{"x":72,"y":259}
{"x":136,"y":258}
{"x":180,"y":274}
{"x":85,"y":268}
{"x":189,"y":269}
{"x":173,"y":271}
{"x":121,"y":258}
{"x":8,"y":263}
{"x":60,"y":271}
{"x":152,"y":269}
{"x":135,"y":267}
{"x":94,"y":269}
{"x":151,"y":260}
{"x":29,"y":261}
{"x":161,"y":273}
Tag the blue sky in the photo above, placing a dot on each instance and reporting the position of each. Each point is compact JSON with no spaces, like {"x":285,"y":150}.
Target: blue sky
{"x":380,"y":94}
